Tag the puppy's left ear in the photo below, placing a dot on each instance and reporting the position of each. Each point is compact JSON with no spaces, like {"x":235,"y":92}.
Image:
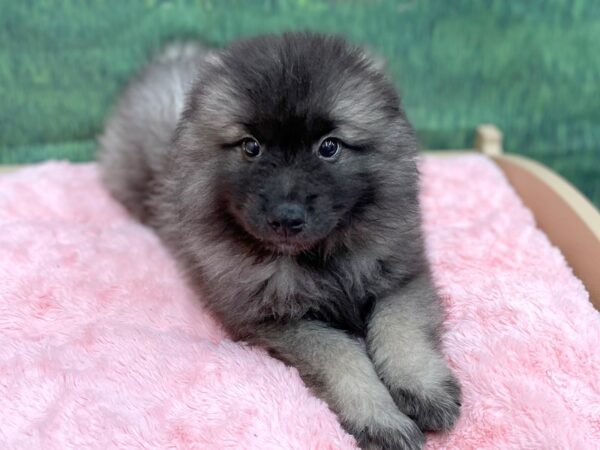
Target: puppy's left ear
{"x":377,"y":61}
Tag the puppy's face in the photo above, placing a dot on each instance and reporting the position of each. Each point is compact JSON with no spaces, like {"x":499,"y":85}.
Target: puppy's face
{"x":294,"y":180}
{"x":301,"y":132}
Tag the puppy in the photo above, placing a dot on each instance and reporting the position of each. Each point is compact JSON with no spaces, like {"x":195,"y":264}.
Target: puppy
{"x":281,"y":173}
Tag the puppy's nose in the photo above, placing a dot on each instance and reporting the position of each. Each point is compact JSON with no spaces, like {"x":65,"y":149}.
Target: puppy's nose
{"x":287,"y":219}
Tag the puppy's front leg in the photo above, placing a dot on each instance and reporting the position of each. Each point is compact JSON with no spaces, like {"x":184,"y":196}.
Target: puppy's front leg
{"x":337,"y":368}
{"x":403,"y":340}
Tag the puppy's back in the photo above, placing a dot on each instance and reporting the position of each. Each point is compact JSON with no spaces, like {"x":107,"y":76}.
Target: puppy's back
{"x":138,"y":133}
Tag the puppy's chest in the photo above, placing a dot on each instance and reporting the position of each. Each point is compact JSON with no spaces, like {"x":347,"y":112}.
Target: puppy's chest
{"x":335,"y":293}
{"x":289,"y":291}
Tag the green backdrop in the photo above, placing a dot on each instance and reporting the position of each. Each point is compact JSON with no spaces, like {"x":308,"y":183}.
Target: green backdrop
{"x":531,"y":67}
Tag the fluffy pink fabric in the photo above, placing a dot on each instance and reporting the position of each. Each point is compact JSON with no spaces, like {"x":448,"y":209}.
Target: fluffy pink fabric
{"x":103,"y":346}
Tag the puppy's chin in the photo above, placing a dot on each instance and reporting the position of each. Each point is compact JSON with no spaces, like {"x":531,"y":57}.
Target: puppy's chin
{"x":289,"y":248}
{"x":274,"y":244}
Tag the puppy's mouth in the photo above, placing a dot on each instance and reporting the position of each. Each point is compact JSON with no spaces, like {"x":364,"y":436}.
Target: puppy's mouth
{"x":292,"y":246}
{"x":284,"y":244}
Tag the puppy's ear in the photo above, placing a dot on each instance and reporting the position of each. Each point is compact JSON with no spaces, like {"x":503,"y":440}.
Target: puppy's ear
{"x":377,"y":61}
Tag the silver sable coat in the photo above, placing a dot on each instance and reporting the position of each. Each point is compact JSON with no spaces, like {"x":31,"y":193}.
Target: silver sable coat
{"x":281,"y":173}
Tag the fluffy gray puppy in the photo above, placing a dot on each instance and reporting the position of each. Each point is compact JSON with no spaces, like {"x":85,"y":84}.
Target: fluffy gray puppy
{"x":281,"y":172}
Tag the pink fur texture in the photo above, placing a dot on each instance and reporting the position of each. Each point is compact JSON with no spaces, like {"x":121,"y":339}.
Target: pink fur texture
{"x":103,"y":346}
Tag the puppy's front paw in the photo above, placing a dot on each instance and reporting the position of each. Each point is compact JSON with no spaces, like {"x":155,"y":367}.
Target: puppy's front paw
{"x":402,"y":435}
{"x":434,"y":407}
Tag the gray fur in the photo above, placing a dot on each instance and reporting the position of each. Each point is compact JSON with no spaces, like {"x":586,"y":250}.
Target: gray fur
{"x":402,"y":340}
{"x":172,"y":154}
{"x":140,"y":128}
{"x":339,"y":370}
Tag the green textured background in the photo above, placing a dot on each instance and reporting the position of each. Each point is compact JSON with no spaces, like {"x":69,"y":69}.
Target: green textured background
{"x":531,"y":67}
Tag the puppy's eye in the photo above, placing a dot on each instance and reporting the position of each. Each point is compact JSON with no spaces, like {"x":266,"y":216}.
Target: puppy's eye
{"x":251,"y":148}
{"x":330,"y":148}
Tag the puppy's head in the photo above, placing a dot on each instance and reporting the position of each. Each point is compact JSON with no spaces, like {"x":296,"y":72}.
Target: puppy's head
{"x":295,"y":138}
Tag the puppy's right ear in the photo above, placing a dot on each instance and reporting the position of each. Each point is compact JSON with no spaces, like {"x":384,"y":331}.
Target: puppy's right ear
{"x":178,"y":50}
{"x":214,"y":58}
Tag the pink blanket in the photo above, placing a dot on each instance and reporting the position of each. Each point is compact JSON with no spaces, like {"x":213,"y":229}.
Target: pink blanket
{"x":103,"y":346}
